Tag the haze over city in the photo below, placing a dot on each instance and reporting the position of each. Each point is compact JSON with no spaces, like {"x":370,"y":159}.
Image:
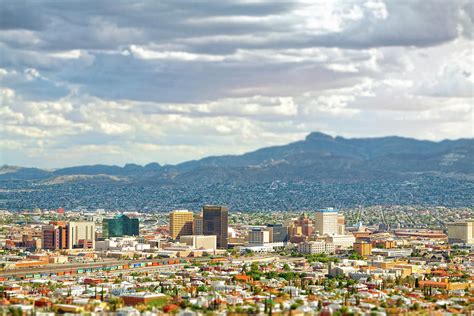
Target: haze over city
{"x":88,"y":82}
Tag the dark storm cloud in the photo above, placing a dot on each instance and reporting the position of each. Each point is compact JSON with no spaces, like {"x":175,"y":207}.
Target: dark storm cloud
{"x":78,"y":24}
{"x":20,"y":15}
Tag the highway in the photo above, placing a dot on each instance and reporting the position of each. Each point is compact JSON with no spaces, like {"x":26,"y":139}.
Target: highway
{"x":55,"y":268}
{"x":72,"y":268}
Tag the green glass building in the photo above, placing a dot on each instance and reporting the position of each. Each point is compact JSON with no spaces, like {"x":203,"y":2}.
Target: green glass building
{"x":119,"y":226}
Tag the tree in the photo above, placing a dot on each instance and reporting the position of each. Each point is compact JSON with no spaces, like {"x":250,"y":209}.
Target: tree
{"x":115,"y":303}
{"x":355,"y":256}
{"x":399,"y":302}
{"x":416,"y":306}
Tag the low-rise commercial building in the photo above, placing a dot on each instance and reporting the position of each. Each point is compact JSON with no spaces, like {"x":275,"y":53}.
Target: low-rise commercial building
{"x":341,"y":241}
{"x":363,"y":248}
{"x":315,"y":247}
{"x":200,"y":241}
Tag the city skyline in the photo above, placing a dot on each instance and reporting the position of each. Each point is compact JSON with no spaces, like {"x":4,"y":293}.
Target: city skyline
{"x":88,"y":83}
{"x":236,"y":157}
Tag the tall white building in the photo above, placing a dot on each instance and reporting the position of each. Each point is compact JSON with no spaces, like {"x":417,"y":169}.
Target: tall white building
{"x":81,"y":235}
{"x":461,"y":232}
{"x":326,"y":222}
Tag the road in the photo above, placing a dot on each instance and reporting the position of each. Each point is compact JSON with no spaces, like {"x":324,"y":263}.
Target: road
{"x":56,"y":268}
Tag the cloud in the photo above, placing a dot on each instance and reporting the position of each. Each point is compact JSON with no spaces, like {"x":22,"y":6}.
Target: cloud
{"x":18,"y":15}
{"x":455,"y":77}
{"x":168,"y":81}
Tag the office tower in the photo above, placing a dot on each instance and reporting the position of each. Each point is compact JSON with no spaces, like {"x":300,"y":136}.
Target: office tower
{"x":326,"y":221}
{"x":279,"y":233}
{"x":461,"y":232}
{"x":181,"y":223}
{"x":215,"y":222}
{"x":54,"y":236}
{"x":119,"y":226}
{"x":302,"y":226}
{"x":81,"y":235}
{"x":197,"y":225}
{"x":341,"y":224}
{"x":259,"y":236}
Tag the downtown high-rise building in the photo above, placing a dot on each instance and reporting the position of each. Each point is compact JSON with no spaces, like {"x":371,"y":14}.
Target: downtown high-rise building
{"x":279,"y":233}
{"x":461,"y":232}
{"x":68,"y":235}
{"x":81,"y":235}
{"x":54,"y":236}
{"x":181,"y":223}
{"x":303,"y":226}
{"x":215,"y":222}
{"x":326,"y":222}
{"x":197,"y":225}
{"x":120,"y":226}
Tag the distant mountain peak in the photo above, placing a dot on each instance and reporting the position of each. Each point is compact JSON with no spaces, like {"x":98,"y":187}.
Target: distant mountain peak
{"x":153,"y":166}
{"x":320,"y":157}
{"x":318,"y":136}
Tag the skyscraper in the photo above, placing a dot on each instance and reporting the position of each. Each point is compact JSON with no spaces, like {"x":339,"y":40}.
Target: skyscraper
{"x":181,"y":223}
{"x":197,"y":225}
{"x":279,"y":233}
{"x":215,"y":222}
{"x":461,"y":232}
{"x":55,"y":236}
{"x":326,"y":222}
{"x":302,"y":226}
{"x":119,"y":226}
{"x":81,"y":235}
{"x":259,"y":236}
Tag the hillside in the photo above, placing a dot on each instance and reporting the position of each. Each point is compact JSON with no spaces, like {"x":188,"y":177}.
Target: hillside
{"x":319,"y":171}
{"x":319,"y":157}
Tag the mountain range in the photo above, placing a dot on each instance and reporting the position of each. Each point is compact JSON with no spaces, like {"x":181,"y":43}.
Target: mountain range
{"x":319,"y":157}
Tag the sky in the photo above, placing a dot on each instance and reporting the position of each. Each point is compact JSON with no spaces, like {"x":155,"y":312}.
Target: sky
{"x":115,"y":82}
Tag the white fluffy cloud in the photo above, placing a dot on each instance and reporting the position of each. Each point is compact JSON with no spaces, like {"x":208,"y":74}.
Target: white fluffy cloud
{"x":144,"y":81}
